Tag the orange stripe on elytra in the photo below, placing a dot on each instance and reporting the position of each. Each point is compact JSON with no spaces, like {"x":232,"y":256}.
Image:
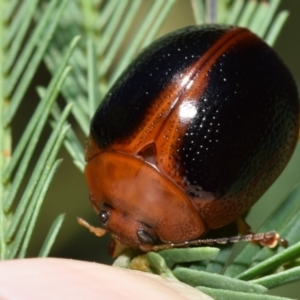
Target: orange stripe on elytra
{"x":164,"y":108}
{"x":169,"y":138}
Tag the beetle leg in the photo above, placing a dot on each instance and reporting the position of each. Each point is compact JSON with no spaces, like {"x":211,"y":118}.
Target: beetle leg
{"x":270,"y":239}
{"x":242,"y":226}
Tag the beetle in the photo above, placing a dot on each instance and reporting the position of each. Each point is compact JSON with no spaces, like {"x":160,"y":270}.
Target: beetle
{"x":189,"y":137}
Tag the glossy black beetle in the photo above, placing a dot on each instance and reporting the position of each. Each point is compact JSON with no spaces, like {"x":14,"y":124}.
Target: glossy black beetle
{"x":190,"y":136}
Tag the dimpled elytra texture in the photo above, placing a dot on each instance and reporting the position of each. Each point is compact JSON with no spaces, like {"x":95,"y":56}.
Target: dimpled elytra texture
{"x":209,"y":110}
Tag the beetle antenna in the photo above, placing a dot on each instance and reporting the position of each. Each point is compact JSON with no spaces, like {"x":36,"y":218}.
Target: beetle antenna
{"x":270,"y":239}
{"x":95,"y":230}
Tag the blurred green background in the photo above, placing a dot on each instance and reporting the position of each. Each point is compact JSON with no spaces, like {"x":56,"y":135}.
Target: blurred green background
{"x":68,"y":192}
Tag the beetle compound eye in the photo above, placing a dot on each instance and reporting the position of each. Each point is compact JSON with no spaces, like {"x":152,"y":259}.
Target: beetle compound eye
{"x":144,"y":237}
{"x":104,"y":216}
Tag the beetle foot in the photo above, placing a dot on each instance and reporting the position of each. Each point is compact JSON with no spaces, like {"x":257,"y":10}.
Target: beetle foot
{"x":272,"y":239}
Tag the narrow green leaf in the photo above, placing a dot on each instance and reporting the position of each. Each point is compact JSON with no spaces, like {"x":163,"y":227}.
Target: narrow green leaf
{"x":200,"y":278}
{"x":278,"y":279}
{"x":3,"y":218}
{"x":136,"y":41}
{"x":157,"y":263}
{"x":30,"y":46}
{"x":211,"y":12}
{"x":75,"y":87}
{"x":158,"y":23}
{"x":247,"y":13}
{"x":223,"y":8}
{"x":93,"y":88}
{"x":273,"y":5}
{"x":77,"y":61}
{"x":46,"y":158}
{"x":10,"y":9}
{"x":111,"y":27}
{"x":234,"y":12}
{"x":226,"y":295}
{"x":22,"y":167}
{"x":33,"y":63}
{"x":199,"y":266}
{"x":42,"y":109}
{"x":106,"y":14}
{"x":258,"y":17}
{"x":199,"y":11}
{"x":119,"y":36}
{"x":81,"y":115}
{"x":75,"y":11}
{"x":184,"y":255}
{"x":72,"y":143}
{"x":45,"y":179}
{"x":75,"y":149}
{"x":81,"y":102}
{"x":276,"y":27}
{"x":283,"y":213}
{"x":51,"y":236}
{"x":35,"y":177}
{"x":38,"y":199}
{"x":217,"y":264}
{"x":80,"y":165}
{"x":17,"y":32}
{"x":273,"y":262}
{"x":90,"y":16}
{"x":290,"y":231}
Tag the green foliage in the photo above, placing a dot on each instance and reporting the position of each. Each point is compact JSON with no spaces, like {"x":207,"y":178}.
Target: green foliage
{"x":105,"y":27}
{"x":111,"y":36}
{"x":259,"y":16}
{"x":22,"y":191}
{"x":253,"y":271}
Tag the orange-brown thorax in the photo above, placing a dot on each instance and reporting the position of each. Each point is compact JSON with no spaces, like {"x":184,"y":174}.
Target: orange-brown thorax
{"x":139,"y":197}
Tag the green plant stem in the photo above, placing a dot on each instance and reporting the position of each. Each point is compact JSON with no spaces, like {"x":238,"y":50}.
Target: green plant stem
{"x":93,"y":88}
{"x":157,"y":24}
{"x":226,"y":295}
{"x":2,"y":133}
{"x":273,"y":262}
{"x":31,"y":67}
{"x":134,"y":45}
{"x":51,"y":236}
{"x":40,"y":113}
{"x":118,"y":38}
{"x":18,"y":30}
{"x":279,"y":279}
{"x":33,"y":180}
{"x":40,"y":194}
{"x":199,"y":11}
